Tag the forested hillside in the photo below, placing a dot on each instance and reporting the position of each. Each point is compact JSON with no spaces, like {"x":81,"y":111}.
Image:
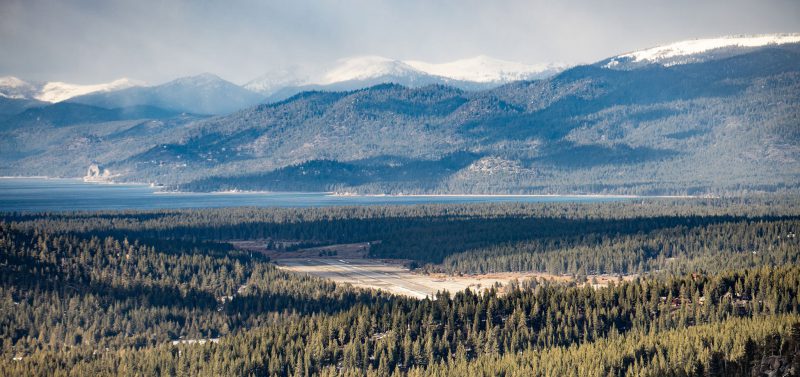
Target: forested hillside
{"x":717,"y":126}
{"x":602,"y":238}
{"x":160,"y":293}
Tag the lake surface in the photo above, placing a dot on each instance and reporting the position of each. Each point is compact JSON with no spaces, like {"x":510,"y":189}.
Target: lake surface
{"x":42,"y":194}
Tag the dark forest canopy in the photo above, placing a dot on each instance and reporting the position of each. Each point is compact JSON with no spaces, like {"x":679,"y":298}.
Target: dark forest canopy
{"x":133,"y":293}
{"x":621,"y":237}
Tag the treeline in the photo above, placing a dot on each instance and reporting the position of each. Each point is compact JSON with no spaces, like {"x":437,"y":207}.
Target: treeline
{"x":213,"y":223}
{"x":425,"y":233}
{"x":109,"y":293}
{"x":639,"y":321}
{"x":709,"y":247}
{"x":66,"y":291}
{"x":759,"y":346}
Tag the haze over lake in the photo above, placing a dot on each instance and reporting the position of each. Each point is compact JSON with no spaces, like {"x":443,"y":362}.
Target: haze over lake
{"x":47,"y":194}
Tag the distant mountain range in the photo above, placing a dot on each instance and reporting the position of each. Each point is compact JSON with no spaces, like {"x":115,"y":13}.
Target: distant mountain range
{"x":17,"y":95}
{"x":481,"y":72}
{"x":201,"y":94}
{"x":210,"y":94}
{"x":711,"y":116}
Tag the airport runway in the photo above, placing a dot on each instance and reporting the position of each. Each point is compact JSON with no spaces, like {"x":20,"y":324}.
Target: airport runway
{"x":364,"y":273}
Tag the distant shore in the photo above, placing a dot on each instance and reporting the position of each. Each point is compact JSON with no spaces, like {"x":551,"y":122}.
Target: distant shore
{"x":599,"y":196}
{"x":160,"y":190}
{"x":77,"y":179}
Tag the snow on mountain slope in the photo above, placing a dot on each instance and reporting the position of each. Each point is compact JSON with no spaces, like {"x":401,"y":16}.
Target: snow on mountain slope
{"x":686,"y":51}
{"x":365,"y":68}
{"x":60,"y":91}
{"x":484,"y":69}
{"x":12,"y":87}
{"x":275,"y":80}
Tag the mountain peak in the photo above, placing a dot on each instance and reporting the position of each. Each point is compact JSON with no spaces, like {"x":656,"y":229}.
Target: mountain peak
{"x":204,"y":78}
{"x":205,"y":93}
{"x":364,"y":68}
{"x":12,"y":82}
{"x":16,"y":88}
{"x":277,"y":79}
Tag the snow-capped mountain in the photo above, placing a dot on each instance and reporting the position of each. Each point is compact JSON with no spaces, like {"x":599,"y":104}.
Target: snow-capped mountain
{"x":344,"y":74}
{"x":56,"y":91}
{"x":275,"y":80}
{"x":12,"y":87}
{"x":361,"y":71}
{"x":201,"y":94}
{"x":366,"y":68}
{"x":697,"y":50}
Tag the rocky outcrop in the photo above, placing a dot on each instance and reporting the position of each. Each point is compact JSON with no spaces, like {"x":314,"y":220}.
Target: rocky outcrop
{"x":97,"y":174}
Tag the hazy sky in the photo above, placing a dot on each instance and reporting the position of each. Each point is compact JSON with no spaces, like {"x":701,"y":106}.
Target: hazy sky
{"x":94,"y":41}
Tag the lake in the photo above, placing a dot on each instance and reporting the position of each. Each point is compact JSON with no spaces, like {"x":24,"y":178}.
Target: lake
{"x":47,"y":194}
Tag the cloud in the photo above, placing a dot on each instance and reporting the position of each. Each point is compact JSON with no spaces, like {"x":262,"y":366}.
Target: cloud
{"x":91,"y":41}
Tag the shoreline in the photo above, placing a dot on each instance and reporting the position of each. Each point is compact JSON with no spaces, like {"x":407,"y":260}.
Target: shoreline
{"x":599,"y":196}
{"x":159,"y":191}
{"x":77,"y":179}
{"x":33,"y":177}
{"x":335,"y":195}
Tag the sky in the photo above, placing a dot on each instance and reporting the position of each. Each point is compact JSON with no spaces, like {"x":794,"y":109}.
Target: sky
{"x":86,"y":42}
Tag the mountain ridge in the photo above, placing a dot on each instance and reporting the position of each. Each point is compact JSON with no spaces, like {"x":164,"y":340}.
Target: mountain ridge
{"x":698,"y":50}
{"x":56,"y":91}
{"x":200,"y":94}
{"x":535,"y":128}
{"x":481,"y":72}
{"x":726,"y":124}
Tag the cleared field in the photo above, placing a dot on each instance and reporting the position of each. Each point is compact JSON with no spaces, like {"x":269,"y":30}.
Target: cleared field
{"x":396,"y":279}
{"x":347,"y":263}
{"x":364,"y":273}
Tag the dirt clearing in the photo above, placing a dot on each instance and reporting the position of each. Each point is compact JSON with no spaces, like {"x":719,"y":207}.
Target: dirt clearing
{"x":394,"y":278}
{"x":348,"y":263}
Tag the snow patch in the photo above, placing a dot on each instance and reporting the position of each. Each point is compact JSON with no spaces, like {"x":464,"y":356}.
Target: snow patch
{"x":484,"y":69}
{"x":670,"y":54}
{"x":60,"y":91}
{"x":365,"y":68}
{"x":278,"y":79}
{"x":12,"y":87}
{"x":56,"y":91}
{"x":12,"y":82}
{"x":480,"y":69}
